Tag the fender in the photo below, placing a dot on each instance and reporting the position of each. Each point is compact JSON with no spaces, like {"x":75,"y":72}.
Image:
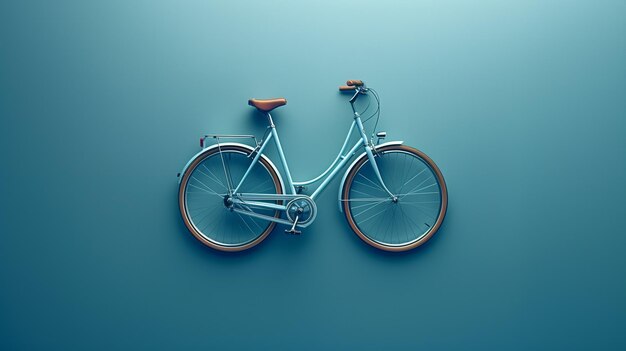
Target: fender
{"x":248,"y":147}
{"x":343,"y":179}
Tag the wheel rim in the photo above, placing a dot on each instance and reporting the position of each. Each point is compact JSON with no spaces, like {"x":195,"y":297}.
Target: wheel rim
{"x":205,"y":203}
{"x":396,"y":224}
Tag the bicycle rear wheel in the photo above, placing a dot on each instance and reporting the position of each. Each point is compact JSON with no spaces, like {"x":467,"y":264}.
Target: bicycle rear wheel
{"x":415,"y":215}
{"x":202,"y":198}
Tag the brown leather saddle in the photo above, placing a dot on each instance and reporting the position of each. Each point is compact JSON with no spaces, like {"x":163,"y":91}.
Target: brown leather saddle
{"x":266,"y":105}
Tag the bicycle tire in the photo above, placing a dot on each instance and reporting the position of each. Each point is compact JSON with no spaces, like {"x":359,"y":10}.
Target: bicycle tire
{"x":351,"y":196}
{"x":210,"y":239}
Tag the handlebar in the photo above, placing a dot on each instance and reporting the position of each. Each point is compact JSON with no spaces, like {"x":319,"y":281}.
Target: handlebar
{"x":357,"y":87}
{"x":351,"y":85}
{"x":354,"y":82}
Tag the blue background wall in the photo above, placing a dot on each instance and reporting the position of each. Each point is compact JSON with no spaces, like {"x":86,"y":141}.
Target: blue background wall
{"x":522,"y":104}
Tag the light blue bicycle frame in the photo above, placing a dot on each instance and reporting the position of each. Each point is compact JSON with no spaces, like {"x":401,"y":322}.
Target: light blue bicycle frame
{"x":248,"y":199}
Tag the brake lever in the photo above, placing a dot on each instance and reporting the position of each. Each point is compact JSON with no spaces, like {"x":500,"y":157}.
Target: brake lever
{"x":356,"y":94}
{"x":359,"y":90}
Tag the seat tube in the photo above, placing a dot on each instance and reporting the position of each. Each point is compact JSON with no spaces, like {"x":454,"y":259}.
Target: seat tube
{"x":283,"y":160}
{"x":370,"y":154}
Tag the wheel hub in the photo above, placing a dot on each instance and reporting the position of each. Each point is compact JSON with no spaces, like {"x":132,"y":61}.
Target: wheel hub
{"x":228,"y":201}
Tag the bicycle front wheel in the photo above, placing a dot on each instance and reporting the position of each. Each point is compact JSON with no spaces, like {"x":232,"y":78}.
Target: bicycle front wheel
{"x":420,"y":203}
{"x":203,"y":198}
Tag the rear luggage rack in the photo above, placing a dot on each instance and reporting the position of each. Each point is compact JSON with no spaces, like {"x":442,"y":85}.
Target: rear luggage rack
{"x":217,"y":137}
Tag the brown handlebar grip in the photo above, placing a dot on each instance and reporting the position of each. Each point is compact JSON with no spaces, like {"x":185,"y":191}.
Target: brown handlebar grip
{"x":354,"y":82}
{"x":346,"y":88}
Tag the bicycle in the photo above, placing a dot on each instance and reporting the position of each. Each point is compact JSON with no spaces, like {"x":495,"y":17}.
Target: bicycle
{"x":231,"y":195}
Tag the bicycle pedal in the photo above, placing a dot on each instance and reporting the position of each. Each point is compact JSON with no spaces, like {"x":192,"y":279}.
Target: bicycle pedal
{"x":293,"y":230}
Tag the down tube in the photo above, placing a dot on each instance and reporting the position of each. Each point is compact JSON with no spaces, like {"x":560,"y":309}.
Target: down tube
{"x":337,"y":169}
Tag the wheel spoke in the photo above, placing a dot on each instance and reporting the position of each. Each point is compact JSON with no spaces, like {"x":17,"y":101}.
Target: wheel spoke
{"x":367,"y":204}
{"x":374,"y":215}
{"x":411,"y":222}
{"x":246,"y":223}
{"x":424,"y":212}
{"x":369,"y":199}
{"x":408,"y":181}
{"x":426,"y":187}
{"x":254,"y":189}
{"x":369,"y":208}
{"x":376,"y":185}
{"x":367,"y":185}
{"x":206,"y":187}
{"x":420,"y":202}
{"x":360,"y":192}
{"x":213,"y":176}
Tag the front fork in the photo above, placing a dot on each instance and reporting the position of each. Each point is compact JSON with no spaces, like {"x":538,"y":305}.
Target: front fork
{"x":370,"y":156}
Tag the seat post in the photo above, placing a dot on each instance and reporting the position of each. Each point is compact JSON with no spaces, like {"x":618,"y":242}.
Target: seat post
{"x":270,"y":120}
